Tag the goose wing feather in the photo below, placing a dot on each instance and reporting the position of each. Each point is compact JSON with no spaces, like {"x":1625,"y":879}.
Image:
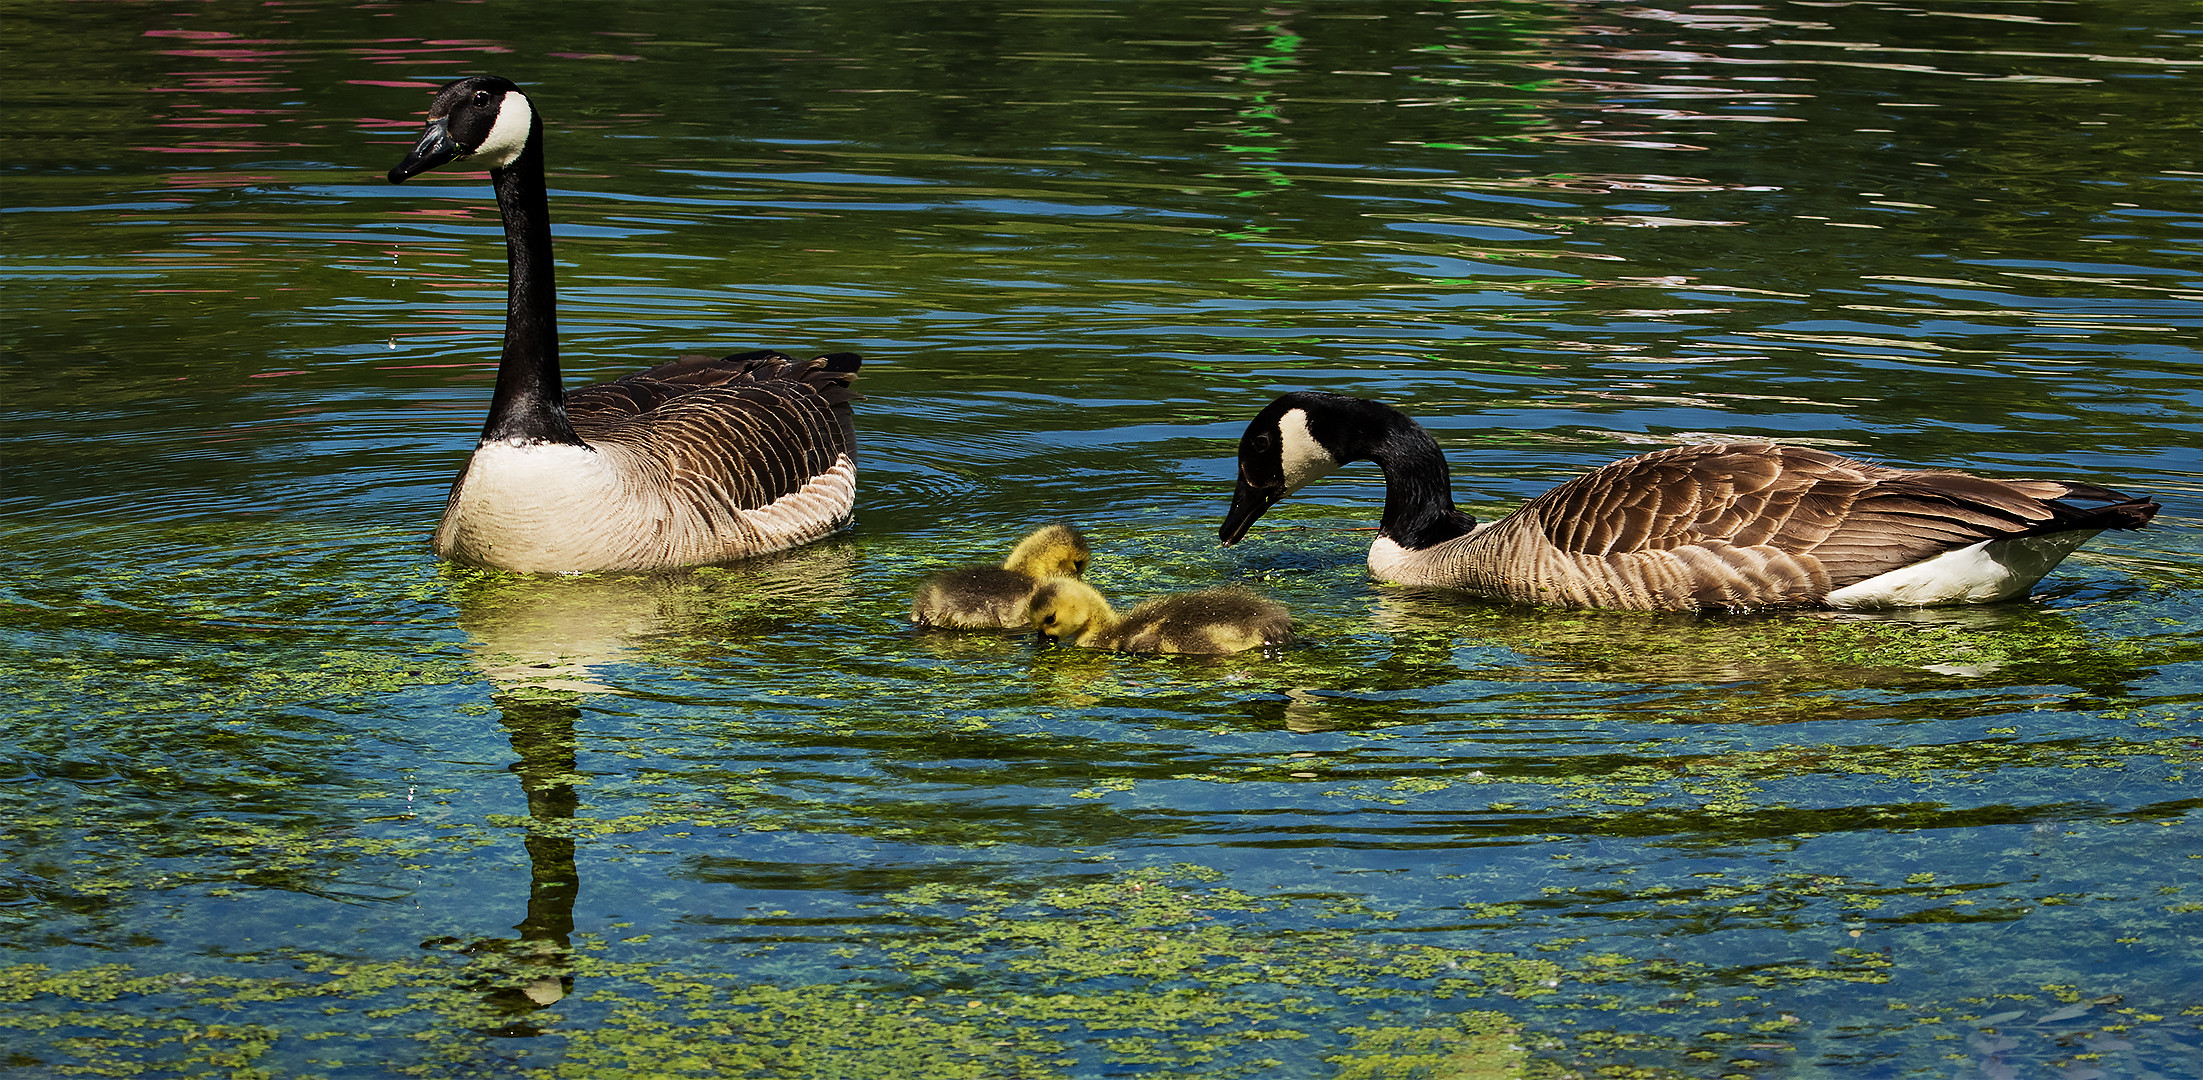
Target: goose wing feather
{"x":739,"y":431}
{"x":1740,"y":493}
{"x":1755,"y":524}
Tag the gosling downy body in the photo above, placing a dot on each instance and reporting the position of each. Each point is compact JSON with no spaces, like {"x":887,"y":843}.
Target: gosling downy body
{"x":1734,"y":526}
{"x":997,"y":597}
{"x":1211,"y":622}
{"x":702,"y":460}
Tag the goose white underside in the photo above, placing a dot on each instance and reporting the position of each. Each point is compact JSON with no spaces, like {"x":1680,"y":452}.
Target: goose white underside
{"x":1980,"y":573}
{"x":564,"y":508}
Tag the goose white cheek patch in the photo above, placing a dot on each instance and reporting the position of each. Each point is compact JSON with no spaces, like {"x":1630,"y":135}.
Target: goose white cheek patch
{"x":1303,"y":459}
{"x":509,"y":136}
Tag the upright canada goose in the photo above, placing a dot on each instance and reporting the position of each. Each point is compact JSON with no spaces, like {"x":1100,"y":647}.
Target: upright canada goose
{"x":1734,"y":526}
{"x":996,"y":597}
{"x":698,"y":461}
{"x":1211,"y":622}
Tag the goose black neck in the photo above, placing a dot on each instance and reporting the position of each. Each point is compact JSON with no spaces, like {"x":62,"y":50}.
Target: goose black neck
{"x":1419,"y":510}
{"x":530,"y":402}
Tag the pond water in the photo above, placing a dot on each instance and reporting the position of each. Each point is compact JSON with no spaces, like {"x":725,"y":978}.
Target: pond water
{"x":282,"y":795}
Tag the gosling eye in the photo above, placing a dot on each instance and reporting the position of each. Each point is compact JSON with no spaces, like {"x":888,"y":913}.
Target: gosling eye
{"x":1048,"y":620}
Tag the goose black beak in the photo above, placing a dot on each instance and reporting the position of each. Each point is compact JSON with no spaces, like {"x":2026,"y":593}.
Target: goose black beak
{"x":1249,"y":502}
{"x":435,"y":148}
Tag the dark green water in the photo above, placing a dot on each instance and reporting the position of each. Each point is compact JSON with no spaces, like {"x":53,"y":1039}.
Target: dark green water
{"x":280,"y":793}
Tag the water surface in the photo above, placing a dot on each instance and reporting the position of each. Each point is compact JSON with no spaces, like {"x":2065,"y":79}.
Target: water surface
{"x":281,"y":792}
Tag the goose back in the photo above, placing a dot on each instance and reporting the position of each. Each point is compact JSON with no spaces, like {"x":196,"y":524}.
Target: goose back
{"x":743,"y":430}
{"x":1752,"y":525}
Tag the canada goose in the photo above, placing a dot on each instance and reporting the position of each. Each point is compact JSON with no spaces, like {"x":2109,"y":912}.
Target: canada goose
{"x":698,"y":461}
{"x":1727,"y":526}
{"x":1212,"y":621}
{"x":995,"y":597}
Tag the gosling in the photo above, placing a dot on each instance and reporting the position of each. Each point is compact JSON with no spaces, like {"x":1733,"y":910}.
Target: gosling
{"x":1210,"y":622}
{"x":997,"y":597}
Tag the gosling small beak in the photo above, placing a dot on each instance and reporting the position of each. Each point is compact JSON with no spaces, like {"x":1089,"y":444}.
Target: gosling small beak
{"x":435,"y":148}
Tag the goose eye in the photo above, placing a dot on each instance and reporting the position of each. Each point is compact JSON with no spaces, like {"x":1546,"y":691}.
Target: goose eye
{"x":481,"y":97}
{"x":1259,"y":443}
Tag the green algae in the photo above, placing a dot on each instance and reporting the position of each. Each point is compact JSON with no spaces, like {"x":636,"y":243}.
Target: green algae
{"x":1476,"y":1046}
{"x":691,"y":729}
{"x":1152,"y":969}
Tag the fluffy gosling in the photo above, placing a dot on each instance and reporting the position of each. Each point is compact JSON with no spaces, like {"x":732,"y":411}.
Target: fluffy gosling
{"x":997,"y":597}
{"x":1210,"y":622}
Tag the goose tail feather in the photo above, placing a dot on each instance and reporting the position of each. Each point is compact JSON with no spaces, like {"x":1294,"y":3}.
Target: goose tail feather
{"x":2121,"y":513}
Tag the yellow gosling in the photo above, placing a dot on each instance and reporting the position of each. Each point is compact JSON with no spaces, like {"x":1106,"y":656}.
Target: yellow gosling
{"x":1210,"y":622}
{"x":997,"y":597}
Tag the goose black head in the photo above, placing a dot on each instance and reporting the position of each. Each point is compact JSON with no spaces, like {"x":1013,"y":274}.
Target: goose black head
{"x":481,"y":117}
{"x":1293,"y":442}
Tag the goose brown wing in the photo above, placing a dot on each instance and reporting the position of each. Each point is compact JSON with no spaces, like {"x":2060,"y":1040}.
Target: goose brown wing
{"x":1913,"y":515}
{"x":745,"y":429}
{"x":828,"y":376}
{"x":1857,"y":520}
{"x":1740,"y":493}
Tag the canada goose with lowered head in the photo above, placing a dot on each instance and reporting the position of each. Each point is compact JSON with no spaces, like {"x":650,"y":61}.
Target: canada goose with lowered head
{"x":1212,"y":622}
{"x":1735,"y":526}
{"x":698,"y":461}
{"x":996,"y":597}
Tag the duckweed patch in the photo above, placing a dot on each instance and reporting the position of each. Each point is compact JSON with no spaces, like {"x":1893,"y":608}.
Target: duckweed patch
{"x":1158,"y":969}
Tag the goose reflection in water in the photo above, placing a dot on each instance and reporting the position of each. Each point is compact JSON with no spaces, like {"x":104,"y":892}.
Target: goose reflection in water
{"x":547,"y":644}
{"x":1907,"y":649}
{"x":535,"y":969}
